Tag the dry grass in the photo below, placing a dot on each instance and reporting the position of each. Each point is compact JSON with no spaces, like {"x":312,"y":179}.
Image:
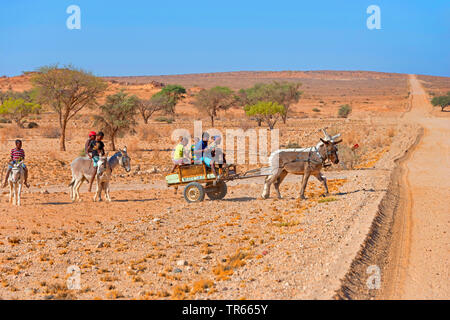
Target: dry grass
{"x":325,"y":200}
{"x":113,"y":294}
{"x":391,"y":132}
{"x":13,"y":132}
{"x":59,"y":291}
{"x":50,"y":132}
{"x":180,"y":291}
{"x":147,"y":133}
{"x":201,"y":286}
{"x":223,"y":271}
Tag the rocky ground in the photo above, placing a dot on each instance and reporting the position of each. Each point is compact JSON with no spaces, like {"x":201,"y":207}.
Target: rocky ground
{"x":149,"y":243}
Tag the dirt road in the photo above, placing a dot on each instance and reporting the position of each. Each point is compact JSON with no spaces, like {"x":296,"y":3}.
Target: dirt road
{"x":421,"y":267}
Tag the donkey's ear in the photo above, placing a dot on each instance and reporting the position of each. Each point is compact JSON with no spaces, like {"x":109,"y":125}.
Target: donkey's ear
{"x":324,"y":141}
{"x":337,"y":141}
{"x":125,"y":149}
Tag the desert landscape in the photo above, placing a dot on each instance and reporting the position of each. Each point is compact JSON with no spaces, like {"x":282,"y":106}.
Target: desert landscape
{"x":149,"y":243}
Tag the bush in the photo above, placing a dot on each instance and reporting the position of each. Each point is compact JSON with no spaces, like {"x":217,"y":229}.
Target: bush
{"x":3,"y":120}
{"x":316,"y":110}
{"x":164,"y":119}
{"x":32,"y":125}
{"x":266,"y":111}
{"x":344,"y":111}
{"x":441,"y":101}
{"x":50,"y":132}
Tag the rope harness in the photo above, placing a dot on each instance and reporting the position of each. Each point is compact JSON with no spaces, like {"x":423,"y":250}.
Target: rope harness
{"x":310,"y":160}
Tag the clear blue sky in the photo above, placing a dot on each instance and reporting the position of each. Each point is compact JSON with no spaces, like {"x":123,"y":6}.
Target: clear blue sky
{"x":156,"y":37}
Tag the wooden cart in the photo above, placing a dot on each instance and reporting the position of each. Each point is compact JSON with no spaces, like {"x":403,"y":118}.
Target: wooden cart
{"x":199,"y":180}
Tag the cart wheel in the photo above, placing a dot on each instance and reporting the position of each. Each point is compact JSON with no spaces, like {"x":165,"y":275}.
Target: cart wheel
{"x":216,"y":192}
{"x":194,"y":192}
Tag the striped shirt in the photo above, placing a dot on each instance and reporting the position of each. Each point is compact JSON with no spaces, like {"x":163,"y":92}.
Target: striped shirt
{"x":17,"y":154}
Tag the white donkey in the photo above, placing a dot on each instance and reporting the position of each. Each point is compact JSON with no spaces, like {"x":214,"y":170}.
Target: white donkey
{"x":103,"y":177}
{"x":83,"y":169}
{"x":16,"y":180}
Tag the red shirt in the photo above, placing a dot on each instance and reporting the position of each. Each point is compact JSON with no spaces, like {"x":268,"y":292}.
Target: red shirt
{"x":17,"y":154}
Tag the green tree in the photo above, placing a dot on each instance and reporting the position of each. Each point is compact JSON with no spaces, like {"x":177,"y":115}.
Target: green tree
{"x":117,"y":115}
{"x":168,"y":98}
{"x":28,"y":95}
{"x":267,"y":111}
{"x":284,"y":93}
{"x":5,"y":95}
{"x":441,"y":101}
{"x":259,"y":92}
{"x":18,"y":110}
{"x":67,"y":91}
{"x":210,"y":101}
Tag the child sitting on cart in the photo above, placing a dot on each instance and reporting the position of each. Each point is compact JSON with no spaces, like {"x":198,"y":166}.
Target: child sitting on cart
{"x":179,"y":157}
{"x":214,"y":155}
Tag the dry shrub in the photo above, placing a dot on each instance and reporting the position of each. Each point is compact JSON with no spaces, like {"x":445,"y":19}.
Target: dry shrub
{"x":391,"y":132}
{"x":59,"y":291}
{"x":113,"y":294}
{"x":179,"y":292}
{"x":201,"y":286}
{"x":50,"y":132}
{"x":14,"y":132}
{"x":379,"y":142}
{"x":223,"y":271}
{"x":248,"y":124}
{"x":348,"y":158}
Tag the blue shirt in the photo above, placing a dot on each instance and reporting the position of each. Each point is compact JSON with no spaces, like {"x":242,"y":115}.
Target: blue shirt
{"x":201,"y":145}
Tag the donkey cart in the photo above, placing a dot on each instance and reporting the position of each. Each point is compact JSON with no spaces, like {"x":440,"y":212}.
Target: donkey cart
{"x":199,"y":180}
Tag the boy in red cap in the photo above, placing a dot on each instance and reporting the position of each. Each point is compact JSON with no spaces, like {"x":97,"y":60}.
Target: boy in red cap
{"x":92,"y":136}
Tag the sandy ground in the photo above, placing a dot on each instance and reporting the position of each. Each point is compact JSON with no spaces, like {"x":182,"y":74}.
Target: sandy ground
{"x":241,"y":247}
{"x":150,"y":244}
{"x":426,"y":276}
{"x":408,"y":239}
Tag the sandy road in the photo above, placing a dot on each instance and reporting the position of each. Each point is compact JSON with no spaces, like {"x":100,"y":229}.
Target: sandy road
{"x":420,"y":269}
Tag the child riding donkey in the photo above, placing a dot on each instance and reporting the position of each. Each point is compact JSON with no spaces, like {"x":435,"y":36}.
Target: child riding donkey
{"x":94,"y":148}
{"x":17,"y":156}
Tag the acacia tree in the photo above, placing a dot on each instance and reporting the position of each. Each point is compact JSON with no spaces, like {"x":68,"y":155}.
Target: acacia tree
{"x":18,"y":110}
{"x":117,"y":115}
{"x":259,"y":92}
{"x":148,"y":107}
{"x":5,"y":95}
{"x":441,"y":101}
{"x":212,"y":100}
{"x":168,"y":98}
{"x":267,"y":111}
{"x":67,"y":91}
{"x":284,"y":93}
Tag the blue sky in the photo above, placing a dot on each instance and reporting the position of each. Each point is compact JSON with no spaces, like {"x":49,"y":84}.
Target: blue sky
{"x":173,"y":37}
